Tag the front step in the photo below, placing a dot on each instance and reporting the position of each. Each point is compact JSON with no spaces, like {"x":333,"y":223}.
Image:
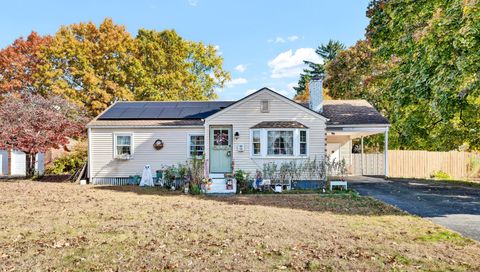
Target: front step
{"x":218,"y":185}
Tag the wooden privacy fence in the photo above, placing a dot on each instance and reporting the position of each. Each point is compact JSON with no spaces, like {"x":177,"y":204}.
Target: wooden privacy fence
{"x":414,"y":163}
{"x":373,"y":164}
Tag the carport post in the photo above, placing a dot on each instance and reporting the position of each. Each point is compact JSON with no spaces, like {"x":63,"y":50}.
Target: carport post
{"x":386,"y":152}
{"x":361,"y":141}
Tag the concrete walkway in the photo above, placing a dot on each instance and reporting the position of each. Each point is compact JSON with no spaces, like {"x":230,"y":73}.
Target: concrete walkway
{"x":453,"y":206}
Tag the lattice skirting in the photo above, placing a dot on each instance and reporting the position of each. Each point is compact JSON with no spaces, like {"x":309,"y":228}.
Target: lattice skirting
{"x":110,"y":181}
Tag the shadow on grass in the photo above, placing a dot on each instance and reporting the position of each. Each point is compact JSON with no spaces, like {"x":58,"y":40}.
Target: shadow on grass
{"x":345,"y":204}
{"x":160,"y":191}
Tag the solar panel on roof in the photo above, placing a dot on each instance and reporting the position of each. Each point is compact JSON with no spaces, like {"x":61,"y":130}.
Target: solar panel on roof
{"x":163,"y":110}
{"x":150,"y":113}
{"x":131,"y":112}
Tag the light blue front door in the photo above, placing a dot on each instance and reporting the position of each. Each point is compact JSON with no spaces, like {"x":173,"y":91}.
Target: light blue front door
{"x":220,"y":149}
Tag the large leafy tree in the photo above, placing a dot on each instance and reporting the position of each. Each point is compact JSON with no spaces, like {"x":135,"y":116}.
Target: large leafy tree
{"x":94,"y":66}
{"x":34,"y":124}
{"x":356,"y":73}
{"x":176,"y":69}
{"x":19,"y":63}
{"x":434,"y":83}
{"x":327,"y":52}
{"x":90,"y":65}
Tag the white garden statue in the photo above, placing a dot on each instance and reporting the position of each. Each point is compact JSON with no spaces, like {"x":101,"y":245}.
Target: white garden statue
{"x":147,"y":179}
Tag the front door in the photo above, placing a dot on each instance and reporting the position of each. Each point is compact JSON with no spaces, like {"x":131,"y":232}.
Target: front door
{"x":220,"y":149}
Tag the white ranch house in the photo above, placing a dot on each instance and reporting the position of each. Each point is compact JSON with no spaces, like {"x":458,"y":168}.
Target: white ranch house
{"x":264,"y":126}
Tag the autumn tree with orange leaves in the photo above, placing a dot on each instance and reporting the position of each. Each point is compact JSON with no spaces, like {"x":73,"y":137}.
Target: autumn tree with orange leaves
{"x":19,"y":64}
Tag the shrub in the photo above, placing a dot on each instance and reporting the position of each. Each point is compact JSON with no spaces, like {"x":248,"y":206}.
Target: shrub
{"x":195,"y":189}
{"x":71,"y":162}
{"x":196,"y":169}
{"x":440,"y":175}
{"x":242,"y":180}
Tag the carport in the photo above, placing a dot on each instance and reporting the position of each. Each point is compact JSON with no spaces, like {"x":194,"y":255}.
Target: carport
{"x":350,"y":120}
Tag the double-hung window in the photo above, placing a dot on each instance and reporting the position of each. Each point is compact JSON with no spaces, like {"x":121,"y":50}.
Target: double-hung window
{"x":123,"y":145}
{"x":303,"y":142}
{"x":196,"y":145}
{"x":256,"y":142}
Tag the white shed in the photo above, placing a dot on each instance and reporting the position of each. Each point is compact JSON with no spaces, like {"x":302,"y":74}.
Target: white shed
{"x":17,"y":164}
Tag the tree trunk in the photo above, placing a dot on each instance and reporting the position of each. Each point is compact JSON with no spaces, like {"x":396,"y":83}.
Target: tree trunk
{"x":30,"y":165}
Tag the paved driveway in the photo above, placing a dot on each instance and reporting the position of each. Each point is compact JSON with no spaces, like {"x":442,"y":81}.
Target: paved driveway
{"x":453,"y":206}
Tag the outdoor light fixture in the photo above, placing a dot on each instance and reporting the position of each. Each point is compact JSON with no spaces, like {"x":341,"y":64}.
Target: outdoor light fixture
{"x":237,"y":135}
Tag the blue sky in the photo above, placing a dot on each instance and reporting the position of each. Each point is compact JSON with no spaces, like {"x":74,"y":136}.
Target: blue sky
{"x":262,"y":42}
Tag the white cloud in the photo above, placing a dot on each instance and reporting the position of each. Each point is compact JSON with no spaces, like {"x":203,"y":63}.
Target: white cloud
{"x":193,"y":3}
{"x":289,"y":64}
{"x":241,"y":68}
{"x":280,"y":39}
{"x":292,"y":38}
{"x":236,"y":81}
{"x":277,"y":40}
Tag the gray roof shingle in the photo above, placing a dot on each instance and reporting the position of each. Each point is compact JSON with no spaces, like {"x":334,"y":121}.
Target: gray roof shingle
{"x":352,"y":112}
{"x":339,"y":112}
{"x":279,"y":124}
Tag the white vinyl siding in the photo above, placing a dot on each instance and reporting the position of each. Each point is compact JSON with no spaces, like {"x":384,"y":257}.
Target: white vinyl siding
{"x":246,"y":114}
{"x":104,"y":165}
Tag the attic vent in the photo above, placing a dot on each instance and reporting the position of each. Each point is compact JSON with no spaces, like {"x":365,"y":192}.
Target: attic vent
{"x":264,"y":107}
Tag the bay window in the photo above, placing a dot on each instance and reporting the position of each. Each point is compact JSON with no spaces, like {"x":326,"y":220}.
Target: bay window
{"x":273,"y":142}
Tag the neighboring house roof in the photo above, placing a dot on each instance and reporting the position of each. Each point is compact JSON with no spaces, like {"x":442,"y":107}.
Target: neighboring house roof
{"x":193,"y":113}
{"x":279,"y":124}
{"x":352,"y":112}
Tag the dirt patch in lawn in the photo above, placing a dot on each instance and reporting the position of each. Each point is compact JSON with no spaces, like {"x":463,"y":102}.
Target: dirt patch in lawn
{"x":59,"y":226}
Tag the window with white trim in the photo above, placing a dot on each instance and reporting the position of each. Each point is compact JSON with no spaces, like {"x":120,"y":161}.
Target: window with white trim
{"x":280,"y":142}
{"x":273,"y":142}
{"x":123,"y":144}
{"x":303,"y":142}
{"x":196,"y":145}
{"x":256,"y":146}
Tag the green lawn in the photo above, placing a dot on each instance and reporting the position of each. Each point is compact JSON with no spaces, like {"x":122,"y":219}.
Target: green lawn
{"x":59,"y":226}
